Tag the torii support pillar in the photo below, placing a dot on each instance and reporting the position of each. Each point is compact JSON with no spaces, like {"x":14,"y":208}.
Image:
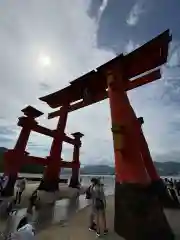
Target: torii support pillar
{"x":50,"y":181}
{"x":157,"y":185}
{"x":147,"y":159}
{"x":138,"y":213}
{"x":74,"y":182}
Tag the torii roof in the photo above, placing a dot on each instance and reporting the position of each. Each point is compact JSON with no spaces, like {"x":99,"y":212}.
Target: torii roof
{"x":32,"y":112}
{"x":149,"y":56}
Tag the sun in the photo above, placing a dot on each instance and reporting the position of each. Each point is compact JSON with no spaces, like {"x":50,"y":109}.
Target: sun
{"x":44,"y":60}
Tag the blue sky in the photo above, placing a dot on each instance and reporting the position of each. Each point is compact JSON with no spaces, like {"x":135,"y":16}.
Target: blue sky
{"x":45,"y":44}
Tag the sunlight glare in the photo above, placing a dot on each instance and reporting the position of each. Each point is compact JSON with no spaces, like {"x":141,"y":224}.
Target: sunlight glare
{"x":44,"y":60}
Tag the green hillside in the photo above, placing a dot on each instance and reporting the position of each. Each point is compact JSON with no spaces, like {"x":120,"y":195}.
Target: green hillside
{"x":30,"y":168}
{"x":164,"y":168}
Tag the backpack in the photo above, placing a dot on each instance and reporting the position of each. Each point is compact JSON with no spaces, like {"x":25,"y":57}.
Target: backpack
{"x":88,"y":193}
{"x":100,"y":199}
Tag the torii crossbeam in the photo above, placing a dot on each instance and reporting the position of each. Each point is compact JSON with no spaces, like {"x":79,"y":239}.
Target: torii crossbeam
{"x":148,"y":57}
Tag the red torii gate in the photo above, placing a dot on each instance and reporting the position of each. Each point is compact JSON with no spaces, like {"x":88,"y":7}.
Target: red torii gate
{"x":15,"y":158}
{"x":135,"y":205}
{"x":108,"y":79}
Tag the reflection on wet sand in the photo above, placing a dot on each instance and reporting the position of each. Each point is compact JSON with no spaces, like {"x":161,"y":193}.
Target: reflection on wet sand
{"x":48,"y":214}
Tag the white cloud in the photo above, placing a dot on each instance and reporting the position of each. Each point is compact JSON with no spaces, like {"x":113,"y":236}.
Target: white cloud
{"x":174,"y":55}
{"x":130,"y":46}
{"x":101,"y":9}
{"x":63,"y":31}
{"x":135,"y":13}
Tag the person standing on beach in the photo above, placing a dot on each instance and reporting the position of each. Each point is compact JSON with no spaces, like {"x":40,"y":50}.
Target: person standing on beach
{"x":1,"y":184}
{"x":89,"y":196}
{"x":21,"y":185}
{"x":34,"y":201}
{"x":178,"y":187}
{"x":98,"y":207}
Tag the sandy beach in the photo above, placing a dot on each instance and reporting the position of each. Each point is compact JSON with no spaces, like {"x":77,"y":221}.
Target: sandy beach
{"x":64,"y":199}
{"x":70,"y":221}
{"x":64,"y":192}
{"x":77,"y":227}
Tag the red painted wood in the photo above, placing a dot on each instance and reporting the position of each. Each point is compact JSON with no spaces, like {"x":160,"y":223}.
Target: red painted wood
{"x":149,"y":56}
{"x":150,"y":77}
{"x":129,"y":165}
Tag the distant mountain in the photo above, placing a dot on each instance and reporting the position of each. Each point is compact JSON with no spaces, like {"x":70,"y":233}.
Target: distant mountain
{"x":97,"y":169}
{"x":30,"y":168}
{"x":167,"y":168}
{"x":3,"y":149}
{"x":163,"y":168}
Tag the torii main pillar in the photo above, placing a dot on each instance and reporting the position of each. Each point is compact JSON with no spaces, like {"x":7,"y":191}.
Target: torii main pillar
{"x":50,"y":181}
{"x":14,"y":158}
{"x":138,"y":214}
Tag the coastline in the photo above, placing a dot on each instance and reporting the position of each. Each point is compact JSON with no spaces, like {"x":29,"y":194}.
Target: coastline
{"x":33,"y":176}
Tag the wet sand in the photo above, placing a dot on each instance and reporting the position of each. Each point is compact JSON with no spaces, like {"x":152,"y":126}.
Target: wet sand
{"x":66,"y":203}
{"x":77,"y":227}
{"x":69,"y":219}
{"x":64,"y":192}
{"x":48,"y":214}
